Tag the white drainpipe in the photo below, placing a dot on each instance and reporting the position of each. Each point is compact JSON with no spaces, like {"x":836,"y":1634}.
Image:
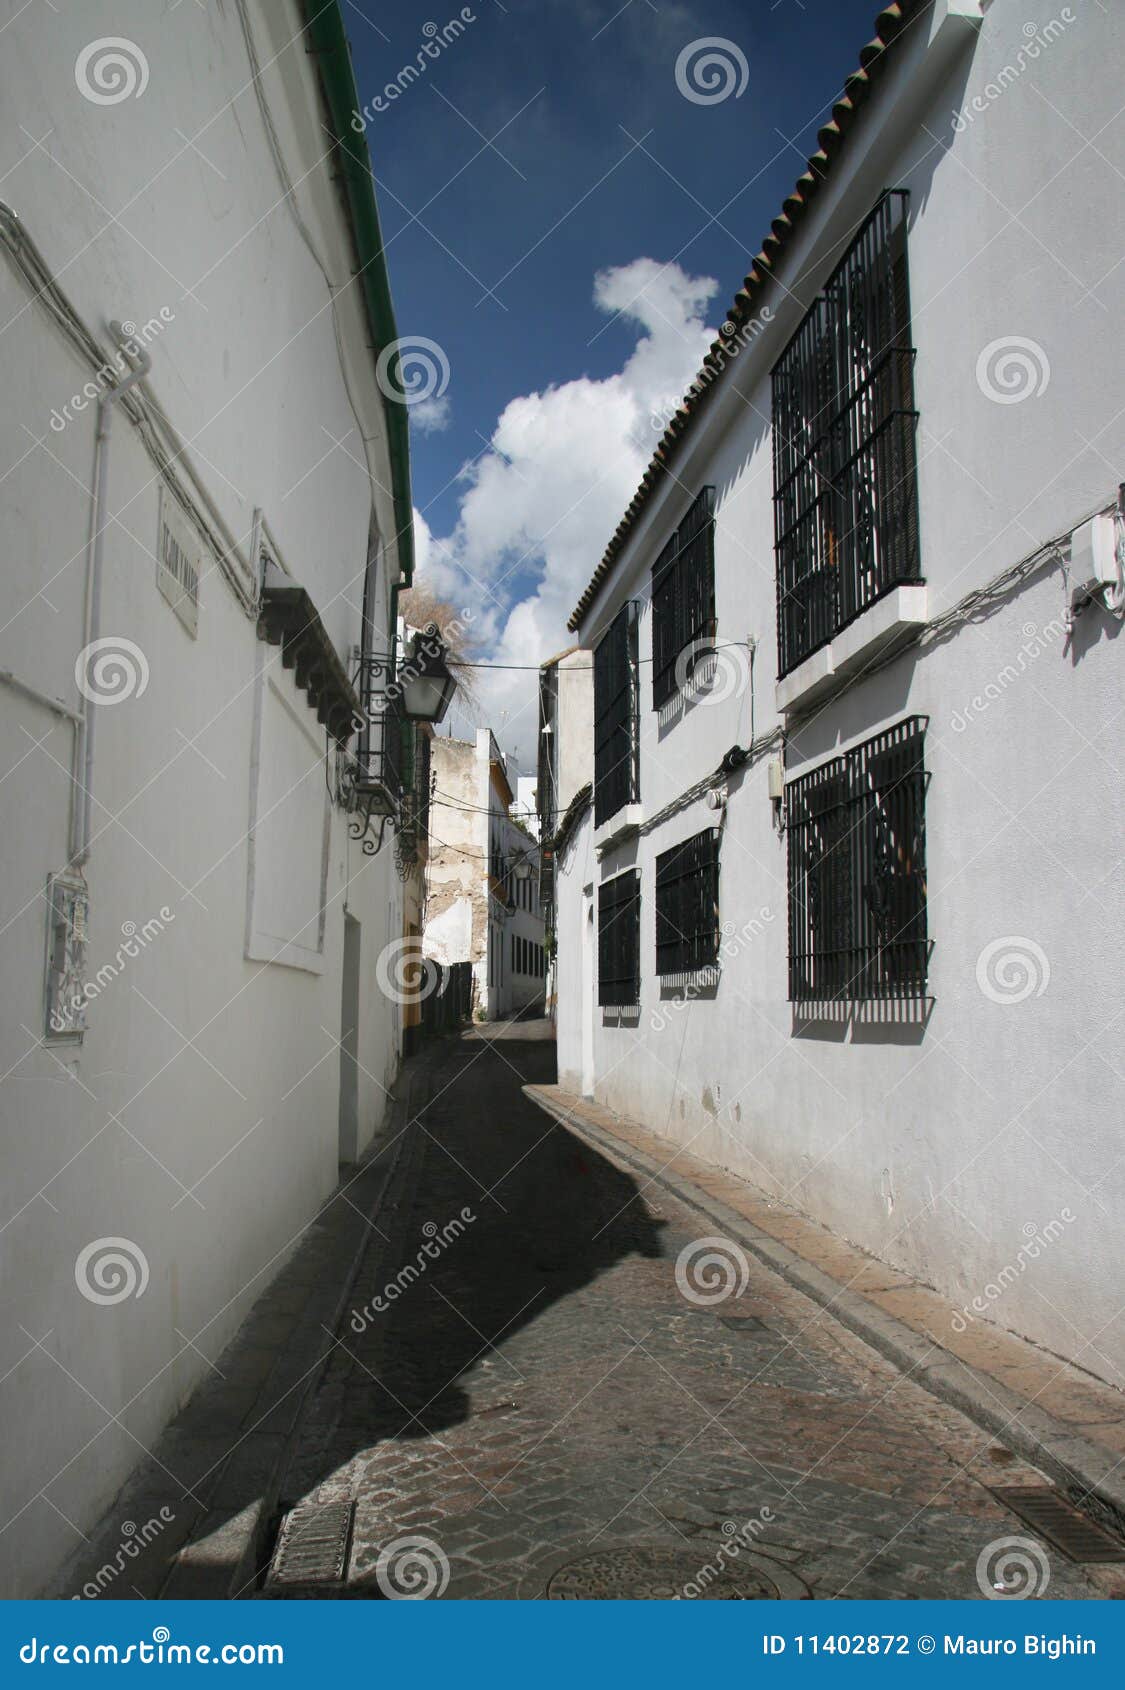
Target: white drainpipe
{"x":94,"y":553}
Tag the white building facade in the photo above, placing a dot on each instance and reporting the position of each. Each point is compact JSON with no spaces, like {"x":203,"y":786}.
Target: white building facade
{"x":482,"y":878}
{"x":195,"y":1030}
{"x":844,"y":912}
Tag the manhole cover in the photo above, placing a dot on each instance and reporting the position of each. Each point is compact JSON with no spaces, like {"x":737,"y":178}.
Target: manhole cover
{"x":657,"y":1574}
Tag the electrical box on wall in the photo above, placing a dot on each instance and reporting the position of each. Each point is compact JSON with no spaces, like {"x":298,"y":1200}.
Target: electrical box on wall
{"x":1095,"y":564}
{"x":67,"y":911}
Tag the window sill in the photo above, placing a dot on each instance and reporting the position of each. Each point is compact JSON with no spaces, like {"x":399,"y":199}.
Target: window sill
{"x":901,"y":612}
{"x":622,"y":825}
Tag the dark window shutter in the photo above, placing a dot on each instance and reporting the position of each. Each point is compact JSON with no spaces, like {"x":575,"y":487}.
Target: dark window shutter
{"x":687,"y":905}
{"x":619,"y":939}
{"x":857,"y":872}
{"x":615,"y":723}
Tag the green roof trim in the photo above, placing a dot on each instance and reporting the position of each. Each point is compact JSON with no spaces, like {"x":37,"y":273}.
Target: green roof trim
{"x":324,"y":29}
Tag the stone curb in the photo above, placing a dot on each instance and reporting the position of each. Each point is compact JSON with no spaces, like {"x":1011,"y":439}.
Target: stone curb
{"x":240,"y":1537}
{"x":1090,"y":1474}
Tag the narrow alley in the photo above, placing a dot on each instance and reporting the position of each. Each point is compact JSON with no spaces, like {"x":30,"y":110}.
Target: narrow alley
{"x":543,"y":1405}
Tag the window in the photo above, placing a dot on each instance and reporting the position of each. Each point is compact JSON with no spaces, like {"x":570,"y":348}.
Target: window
{"x":178,"y":560}
{"x":845,"y":495}
{"x":615,"y":716}
{"x":857,"y":871}
{"x":619,"y":939}
{"x":683,"y":599}
{"x":687,"y":904}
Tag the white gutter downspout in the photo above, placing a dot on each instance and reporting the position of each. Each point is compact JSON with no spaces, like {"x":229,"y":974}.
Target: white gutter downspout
{"x":95,"y":548}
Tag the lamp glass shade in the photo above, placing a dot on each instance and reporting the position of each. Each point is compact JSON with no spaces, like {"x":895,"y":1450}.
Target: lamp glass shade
{"x":427,"y":685}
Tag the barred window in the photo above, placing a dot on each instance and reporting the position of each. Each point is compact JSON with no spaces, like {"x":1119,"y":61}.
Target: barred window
{"x":844,"y":469}
{"x":615,"y":716}
{"x":619,"y":939}
{"x":857,"y":872}
{"x":683,"y":599}
{"x":687,"y":904}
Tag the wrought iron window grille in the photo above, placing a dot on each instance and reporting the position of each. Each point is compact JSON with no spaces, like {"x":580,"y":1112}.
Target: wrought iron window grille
{"x":844,"y":458}
{"x":857,"y":872}
{"x":687,"y":909}
{"x":619,"y":940}
{"x":616,"y":716}
{"x":683,"y":601}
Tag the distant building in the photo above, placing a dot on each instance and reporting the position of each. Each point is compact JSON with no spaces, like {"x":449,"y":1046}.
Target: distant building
{"x":482,"y":876}
{"x":525,"y":809}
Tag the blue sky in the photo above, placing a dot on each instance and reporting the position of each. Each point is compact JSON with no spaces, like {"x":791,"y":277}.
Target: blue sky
{"x":566,"y":226}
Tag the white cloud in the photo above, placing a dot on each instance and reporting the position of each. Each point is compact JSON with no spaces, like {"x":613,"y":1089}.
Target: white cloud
{"x":430,"y":416}
{"x":564,"y":464}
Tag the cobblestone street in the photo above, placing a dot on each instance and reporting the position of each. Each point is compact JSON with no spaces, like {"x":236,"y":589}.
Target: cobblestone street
{"x":536,"y":1390}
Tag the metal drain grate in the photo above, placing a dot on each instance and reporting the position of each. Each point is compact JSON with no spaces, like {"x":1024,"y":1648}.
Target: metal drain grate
{"x":1052,"y":1517}
{"x":313,"y":1545}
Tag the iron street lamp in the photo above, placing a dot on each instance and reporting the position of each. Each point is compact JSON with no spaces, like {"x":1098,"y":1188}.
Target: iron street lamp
{"x":426,"y":683}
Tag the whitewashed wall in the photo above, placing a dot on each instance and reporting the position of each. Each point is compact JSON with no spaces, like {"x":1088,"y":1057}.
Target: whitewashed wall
{"x":942,"y":1148}
{"x":209,"y":1158}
